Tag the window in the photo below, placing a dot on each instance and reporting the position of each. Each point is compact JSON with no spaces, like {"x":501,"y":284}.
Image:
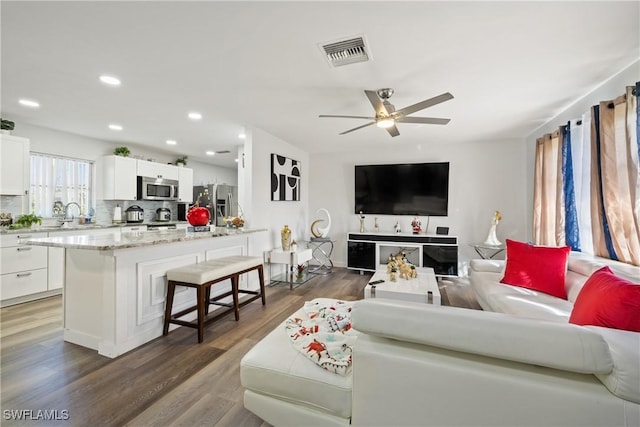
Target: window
{"x":59,"y":179}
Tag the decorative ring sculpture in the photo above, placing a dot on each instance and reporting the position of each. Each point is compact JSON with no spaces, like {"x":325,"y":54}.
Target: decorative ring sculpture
{"x":321,"y":231}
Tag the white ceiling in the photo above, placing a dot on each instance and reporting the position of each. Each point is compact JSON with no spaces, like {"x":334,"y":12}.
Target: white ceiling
{"x":510,"y":65}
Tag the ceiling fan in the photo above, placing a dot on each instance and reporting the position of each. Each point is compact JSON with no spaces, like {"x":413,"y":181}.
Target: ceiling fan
{"x":387,"y":116}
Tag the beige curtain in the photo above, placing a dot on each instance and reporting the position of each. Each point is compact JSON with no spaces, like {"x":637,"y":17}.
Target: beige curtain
{"x":537,"y":192}
{"x":597,"y":218}
{"x":619,"y":174}
{"x":556,"y":146}
{"x":605,"y":173}
{"x":547,"y":192}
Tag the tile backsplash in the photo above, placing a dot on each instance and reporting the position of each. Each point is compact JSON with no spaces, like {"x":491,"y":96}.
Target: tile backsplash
{"x":12,"y":205}
{"x":104,"y":208}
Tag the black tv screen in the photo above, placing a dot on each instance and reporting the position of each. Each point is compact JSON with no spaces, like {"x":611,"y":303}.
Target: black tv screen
{"x":402,"y":189}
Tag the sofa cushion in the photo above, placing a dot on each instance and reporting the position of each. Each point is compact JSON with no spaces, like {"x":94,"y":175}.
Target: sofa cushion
{"x":587,"y":264}
{"x":494,"y":296}
{"x":624,"y":347}
{"x":609,"y":301}
{"x":573,"y":284}
{"x":540,"y":268}
{"x":274,"y":368}
{"x":550,"y":344}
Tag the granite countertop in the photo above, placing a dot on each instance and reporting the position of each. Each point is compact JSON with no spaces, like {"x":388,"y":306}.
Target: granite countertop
{"x":75,"y":227}
{"x":134,"y":239}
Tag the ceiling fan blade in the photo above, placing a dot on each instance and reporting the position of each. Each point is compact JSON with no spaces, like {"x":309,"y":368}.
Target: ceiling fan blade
{"x":347,"y":117}
{"x":359,"y":127}
{"x":424,"y":104}
{"x":393,"y":131}
{"x":423,"y":120}
{"x":375,"y":100}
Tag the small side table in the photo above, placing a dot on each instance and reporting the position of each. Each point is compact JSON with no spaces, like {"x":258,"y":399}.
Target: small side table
{"x":487,"y":251}
{"x":292,"y":259}
{"x":321,"y":249}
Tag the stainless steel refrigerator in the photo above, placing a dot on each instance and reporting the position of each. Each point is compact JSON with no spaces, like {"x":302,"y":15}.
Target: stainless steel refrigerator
{"x":226,"y":202}
{"x":220,"y":199}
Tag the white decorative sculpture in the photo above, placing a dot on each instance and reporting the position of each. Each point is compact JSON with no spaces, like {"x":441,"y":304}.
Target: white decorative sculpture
{"x":321,"y":231}
{"x":492,"y":238}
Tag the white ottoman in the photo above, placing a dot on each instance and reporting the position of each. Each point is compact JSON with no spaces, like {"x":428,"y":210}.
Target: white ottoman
{"x":284,"y":387}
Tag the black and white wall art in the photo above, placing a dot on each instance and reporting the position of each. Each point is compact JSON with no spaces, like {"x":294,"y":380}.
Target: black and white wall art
{"x":285,"y":178}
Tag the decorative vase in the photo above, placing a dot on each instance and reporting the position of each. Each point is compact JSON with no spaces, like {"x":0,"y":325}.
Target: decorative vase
{"x":285,"y":236}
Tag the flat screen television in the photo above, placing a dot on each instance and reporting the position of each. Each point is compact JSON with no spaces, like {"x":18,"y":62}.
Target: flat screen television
{"x":402,"y":189}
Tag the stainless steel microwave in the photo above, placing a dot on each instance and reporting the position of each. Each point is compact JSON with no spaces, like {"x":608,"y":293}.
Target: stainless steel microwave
{"x":157,"y":189}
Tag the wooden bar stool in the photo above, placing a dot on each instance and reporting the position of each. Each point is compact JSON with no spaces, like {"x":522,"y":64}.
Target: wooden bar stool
{"x":202,"y":276}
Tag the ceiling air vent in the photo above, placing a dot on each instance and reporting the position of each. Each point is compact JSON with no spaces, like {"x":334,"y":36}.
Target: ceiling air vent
{"x":345,"y":52}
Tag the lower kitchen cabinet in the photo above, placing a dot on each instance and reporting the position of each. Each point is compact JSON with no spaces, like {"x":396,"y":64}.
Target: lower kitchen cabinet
{"x":24,"y":269}
{"x":34,"y":272}
{"x":23,"y":283}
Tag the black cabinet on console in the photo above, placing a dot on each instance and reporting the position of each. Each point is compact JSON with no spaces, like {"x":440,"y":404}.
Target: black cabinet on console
{"x":361,"y":255}
{"x":369,"y":251}
{"x":443,"y":259}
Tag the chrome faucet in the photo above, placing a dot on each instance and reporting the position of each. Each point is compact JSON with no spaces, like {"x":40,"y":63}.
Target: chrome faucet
{"x":66,"y":210}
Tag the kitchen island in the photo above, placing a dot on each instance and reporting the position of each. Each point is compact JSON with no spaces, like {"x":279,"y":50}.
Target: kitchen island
{"x":115,"y":284}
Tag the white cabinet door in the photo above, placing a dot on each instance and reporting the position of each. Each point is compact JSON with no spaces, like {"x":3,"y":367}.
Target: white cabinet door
{"x":117,"y":178}
{"x":185,"y":185}
{"x":157,"y":170}
{"x":24,"y":267}
{"x":23,"y":283}
{"x":14,"y":162}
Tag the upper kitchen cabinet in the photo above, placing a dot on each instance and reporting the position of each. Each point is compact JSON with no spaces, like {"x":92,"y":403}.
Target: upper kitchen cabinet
{"x":14,"y":159}
{"x":185,"y":185}
{"x":117,"y":178}
{"x":157,"y":170}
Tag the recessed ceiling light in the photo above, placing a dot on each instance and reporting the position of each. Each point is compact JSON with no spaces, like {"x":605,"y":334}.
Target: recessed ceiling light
{"x":114,"y":126}
{"x":242,"y":136}
{"x":171,"y":142}
{"x":194,"y":115}
{"x":110,"y":80}
{"x":29,"y":103}
{"x":210,"y":153}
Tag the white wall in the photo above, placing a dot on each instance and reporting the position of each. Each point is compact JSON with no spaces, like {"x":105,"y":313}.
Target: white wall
{"x":484,"y":177}
{"x":608,"y":90}
{"x":260,"y":210}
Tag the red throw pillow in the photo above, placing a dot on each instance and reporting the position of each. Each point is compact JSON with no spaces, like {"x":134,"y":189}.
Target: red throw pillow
{"x":608,"y":300}
{"x":541,"y":268}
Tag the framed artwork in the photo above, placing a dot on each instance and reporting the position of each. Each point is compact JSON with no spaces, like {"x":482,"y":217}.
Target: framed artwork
{"x":285,"y":178}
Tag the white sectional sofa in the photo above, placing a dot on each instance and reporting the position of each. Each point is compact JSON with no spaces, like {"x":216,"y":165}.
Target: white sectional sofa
{"x":423,"y":365}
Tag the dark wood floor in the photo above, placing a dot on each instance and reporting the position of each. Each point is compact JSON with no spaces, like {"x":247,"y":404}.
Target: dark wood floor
{"x":169,"y":381}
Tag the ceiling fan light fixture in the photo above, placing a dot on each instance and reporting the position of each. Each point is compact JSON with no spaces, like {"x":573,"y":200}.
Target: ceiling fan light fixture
{"x":385,"y":123}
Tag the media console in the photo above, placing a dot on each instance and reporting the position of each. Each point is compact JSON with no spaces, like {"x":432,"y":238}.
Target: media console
{"x":370,"y":251}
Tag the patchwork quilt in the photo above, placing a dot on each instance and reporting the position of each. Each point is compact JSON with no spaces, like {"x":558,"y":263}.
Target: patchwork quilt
{"x":324,"y":335}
